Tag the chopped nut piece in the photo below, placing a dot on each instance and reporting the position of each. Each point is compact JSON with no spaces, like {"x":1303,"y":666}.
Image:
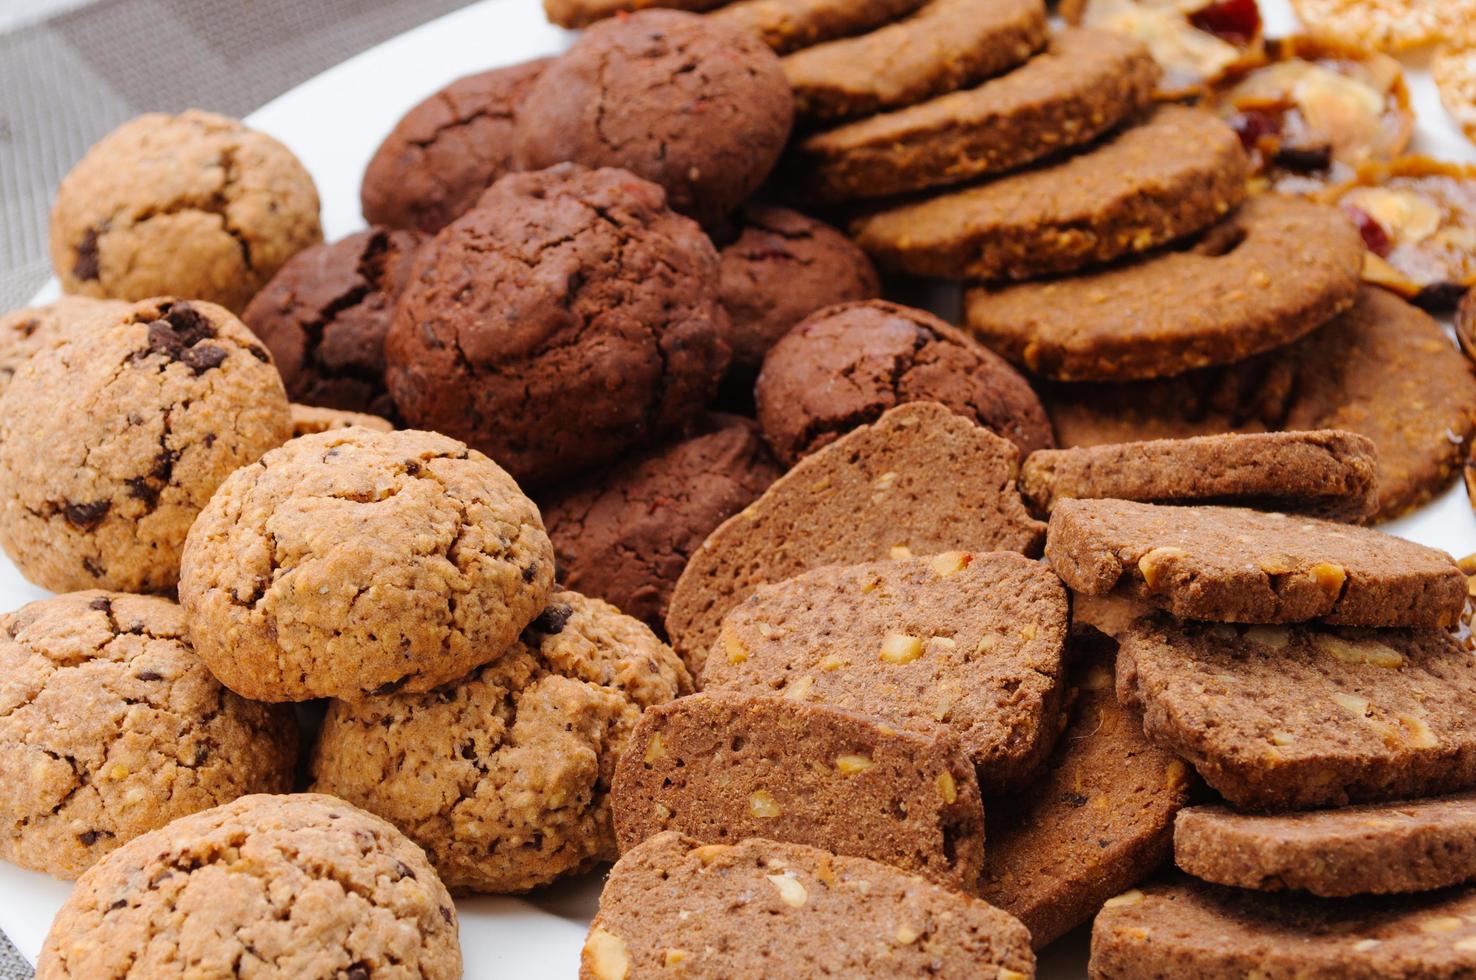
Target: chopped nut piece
{"x":1027,"y":632}
{"x":1151,"y":564}
{"x":762,"y":805}
{"x":1279,"y":737}
{"x":771,"y":632}
{"x":1444,"y":923}
{"x":709,"y":853}
{"x":791,"y":892}
{"x":849,"y":765}
{"x":655,"y":749}
{"x":1130,"y":897}
{"x":899,"y":648}
{"x":951,"y":563}
{"x":906,"y":935}
{"x":737,"y":652}
{"x":947,"y":788}
{"x":1175,"y":774}
{"x":1354,"y":703}
{"x":675,"y":957}
{"x":1274,"y":637}
{"x":800,"y":689}
{"x":1329,"y":576}
{"x":833,"y":661}
{"x":1361,"y":652}
{"x":900,"y":551}
{"x":606,"y":955}
{"x":1419,"y":733}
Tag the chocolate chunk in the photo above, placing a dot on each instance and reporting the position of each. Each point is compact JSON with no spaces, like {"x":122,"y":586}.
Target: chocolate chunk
{"x":149,"y":675}
{"x":86,"y":515}
{"x":552,"y":620}
{"x":87,"y":266}
{"x":90,"y":837}
{"x":139,"y":488}
{"x":358,"y":972}
{"x":101,"y":605}
{"x":204,"y":357}
{"x":190,"y":323}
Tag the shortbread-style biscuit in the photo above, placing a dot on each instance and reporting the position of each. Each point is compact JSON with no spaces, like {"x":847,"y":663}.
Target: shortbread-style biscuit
{"x":1178,"y":172}
{"x":1099,"y":821}
{"x":1272,"y":272}
{"x":24,"y":332}
{"x":910,"y":642}
{"x":1231,"y":564}
{"x":1326,"y":473}
{"x":300,"y":886}
{"x":503,"y":776}
{"x":1372,"y":849}
{"x":1304,"y":716}
{"x":918,"y":481}
{"x":788,"y":25}
{"x":1081,"y":86}
{"x":308,"y":419}
{"x":110,"y":727}
{"x":582,"y":13}
{"x":845,"y":365}
{"x":1384,"y":370}
{"x":945,"y":45}
{"x":113,"y":437}
{"x":723,"y":766}
{"x":355,"y":562}
{"x":759,"y":908}
{"x":1387,"y":25}
{"x":1183,"y":928}
{"x":624,"y":534}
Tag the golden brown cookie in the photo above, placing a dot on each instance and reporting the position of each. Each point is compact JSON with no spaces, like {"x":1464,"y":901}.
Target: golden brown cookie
{"x":1386,"y":25}
{"x":23,"y":332}
{"x":114,"y":437}
{"x":788,"y":25}
{"x":196,"y":205}
{"x":308,"y":419}
{"x":355,"y":562}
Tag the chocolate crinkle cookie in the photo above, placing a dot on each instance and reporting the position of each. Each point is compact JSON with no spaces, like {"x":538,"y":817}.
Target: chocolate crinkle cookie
{"x":625,"y":534}
{"x":325,"y":314}
{"x":701,"y":108}
{"x":266,"y":886}
{"x":782,"y":267}
{"x":846,"y":365}
{"x":568,"y":317}
{"x":447,"y":150}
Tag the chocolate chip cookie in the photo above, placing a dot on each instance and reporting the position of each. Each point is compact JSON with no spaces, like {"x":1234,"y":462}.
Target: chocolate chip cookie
{"x":196,"y":205}
{"x":113,"y":438}
{"x":697,"y":106}
{"x":566,"y":319}
{"x":846,"y":365}
{"x":23,"y":332}
{"x":356,"y":562}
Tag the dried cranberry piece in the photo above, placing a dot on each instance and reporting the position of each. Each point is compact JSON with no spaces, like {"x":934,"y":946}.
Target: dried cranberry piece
{"x":1375,"y":238}
{"x":1253,"y":125}
{"x":1236,"y":21}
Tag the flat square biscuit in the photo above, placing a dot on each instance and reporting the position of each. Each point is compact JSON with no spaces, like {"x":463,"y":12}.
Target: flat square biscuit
{"x":918,"y":481}
{"x":761,"y":909}
{"x":723,"y":766}
{"x":1305,"y":716}
{"x":969,"y":643}
{"x":1230,"y":564}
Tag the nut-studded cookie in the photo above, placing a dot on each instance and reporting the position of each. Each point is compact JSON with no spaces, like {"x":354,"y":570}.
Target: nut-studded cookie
{"x":503,"y":776}
{"x":1386,"y":25}
{"x":1272,"y":272}
{"x":1099,"y":821}
{"x":910,"y":642}
{"x":302,"y":885}
{"x":355,"y":562}
{"x":1370,"y":849}
{"x":723,"y":766}
{"x":1328,"y":474}
{"x":1182,"y":928}
{"x":845,"y":365}
{"x":308,"y":419}
{"x":1196,"y":41}
{"x":918,"y":481}
{"x":1232,"y":564}
{"x":115,"y":436}
{"x":447,"y":150}
{"x":1081,"y":86}
{"x":1303,"y":716}
{"x":788,"y":25}
{"x":945,"y":45}
{"x":110,"y":727}
{"x":786,"y":911}
{"x":25,"y":331}
{"x":1178,"y":172}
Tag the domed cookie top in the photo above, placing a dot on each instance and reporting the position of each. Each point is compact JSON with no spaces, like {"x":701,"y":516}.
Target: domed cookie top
{"x":25,"y":331}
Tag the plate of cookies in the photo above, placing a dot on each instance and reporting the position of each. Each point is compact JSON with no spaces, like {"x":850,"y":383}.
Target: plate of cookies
{"x":775,"y":488}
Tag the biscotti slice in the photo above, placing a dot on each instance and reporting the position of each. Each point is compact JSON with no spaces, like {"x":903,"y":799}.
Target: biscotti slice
{"x":947,"y":44}
{"x":1099,"y":821}
{"x":1324,"y":473}
{"x":918,"y":481}
{"x":1183,"y":928}
{"x":1081,"y":86}
{"x":724,"y":766}
{"x":1232,"y":564}
{"x":1178,"y":172}
{"x":788,"y":25}
{"x":967,"y":642}
{"x":1304,"y":716}
{"x":762,"y":910}
{"x":1372,"y":849}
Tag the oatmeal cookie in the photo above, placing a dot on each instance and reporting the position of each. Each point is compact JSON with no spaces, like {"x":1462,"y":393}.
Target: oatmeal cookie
{"x":24,"y":332}
{"x":308,"y":419}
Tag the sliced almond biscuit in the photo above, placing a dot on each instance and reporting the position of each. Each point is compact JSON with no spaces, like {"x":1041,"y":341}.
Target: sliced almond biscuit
{"x":970,"y":643}
{"x":723,"y":766}
{"x":1372,"y":849}
{"x":1177,"y":173}
{"x":758,"y":908}
{"x":1279,"y":718}
{"x":918,"y":481}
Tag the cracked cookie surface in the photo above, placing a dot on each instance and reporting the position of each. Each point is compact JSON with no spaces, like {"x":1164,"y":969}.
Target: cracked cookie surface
{"x":266,"y":886}
{"x":696,"y":106}
{"x":195,"y":205}
{"x":115,"y":437}
{"x":110,"y":727}
{"x":325,"y":313}
{"x":309,"y":419}
{"x":352,"y":562}
{"x":24,"y":332}
{"x":568,"y":317}
{"x":504,"y":776}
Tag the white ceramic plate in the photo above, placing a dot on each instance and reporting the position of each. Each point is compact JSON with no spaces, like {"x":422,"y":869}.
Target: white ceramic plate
{"x":334,"y":123}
